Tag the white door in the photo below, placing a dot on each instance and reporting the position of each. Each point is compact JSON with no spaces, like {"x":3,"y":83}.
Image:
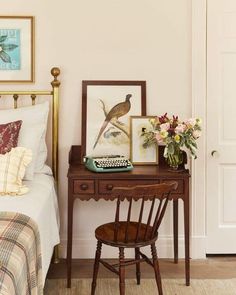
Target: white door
{"x":221,"y":126}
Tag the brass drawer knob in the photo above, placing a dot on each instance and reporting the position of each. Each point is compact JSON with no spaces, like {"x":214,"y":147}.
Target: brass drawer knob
{"x":83,"y":186}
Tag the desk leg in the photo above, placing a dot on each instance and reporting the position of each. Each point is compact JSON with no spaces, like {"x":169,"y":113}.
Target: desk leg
{"x":69,"y":235}
{"x":186,"y":234}
{"x":175,"y":229}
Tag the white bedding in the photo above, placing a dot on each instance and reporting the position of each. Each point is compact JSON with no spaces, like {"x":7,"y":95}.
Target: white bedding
{"x":41,"y":205}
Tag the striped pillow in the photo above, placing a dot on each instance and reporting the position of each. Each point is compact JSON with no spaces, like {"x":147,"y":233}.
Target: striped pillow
{"x":12,"y":170}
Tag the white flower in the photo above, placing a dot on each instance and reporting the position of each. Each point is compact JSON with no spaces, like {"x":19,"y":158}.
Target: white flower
{"x":164,"y":133}
{"x":196,"y":133}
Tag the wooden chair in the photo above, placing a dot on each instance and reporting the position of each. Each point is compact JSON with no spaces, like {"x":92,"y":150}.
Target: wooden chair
{"x":134,"y":234}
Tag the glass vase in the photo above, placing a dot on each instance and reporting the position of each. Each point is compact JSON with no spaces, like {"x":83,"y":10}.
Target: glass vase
{"x":175,"y":159}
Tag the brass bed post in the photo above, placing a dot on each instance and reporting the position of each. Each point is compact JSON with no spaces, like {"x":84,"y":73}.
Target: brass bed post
{"x":55,"y":109}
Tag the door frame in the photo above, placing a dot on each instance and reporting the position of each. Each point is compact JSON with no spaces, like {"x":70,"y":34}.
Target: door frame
{"x":199,"y":96}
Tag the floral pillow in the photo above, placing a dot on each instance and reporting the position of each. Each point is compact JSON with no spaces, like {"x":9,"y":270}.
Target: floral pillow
{"x":9,"y":136}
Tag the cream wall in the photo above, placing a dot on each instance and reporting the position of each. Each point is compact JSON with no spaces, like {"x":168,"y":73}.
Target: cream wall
{"x":108,"y":40}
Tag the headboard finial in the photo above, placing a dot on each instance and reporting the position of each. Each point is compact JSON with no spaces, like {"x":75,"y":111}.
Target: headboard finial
{"x":55,"y":73}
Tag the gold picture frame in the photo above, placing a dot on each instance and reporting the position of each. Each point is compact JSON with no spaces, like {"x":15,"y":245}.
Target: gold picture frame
{"x":139,"y":154}
{"x":17,"y":49}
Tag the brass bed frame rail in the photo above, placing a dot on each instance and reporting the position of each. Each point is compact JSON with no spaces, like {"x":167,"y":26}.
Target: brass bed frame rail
{"x":54,"y":93}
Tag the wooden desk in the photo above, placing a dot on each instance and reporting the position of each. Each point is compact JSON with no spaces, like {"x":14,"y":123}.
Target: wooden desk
{"x":85,"y":185}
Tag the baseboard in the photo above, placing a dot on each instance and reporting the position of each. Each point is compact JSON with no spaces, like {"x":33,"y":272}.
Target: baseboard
{"x":198,"y":247}
{"x":85,"y":248}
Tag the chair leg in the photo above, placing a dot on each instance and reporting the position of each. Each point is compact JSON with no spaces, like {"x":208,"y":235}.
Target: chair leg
{"x":137,"y":257}
{"x":156,"y":269}
{"x":121,"y":271}
{"x":96,"y":266}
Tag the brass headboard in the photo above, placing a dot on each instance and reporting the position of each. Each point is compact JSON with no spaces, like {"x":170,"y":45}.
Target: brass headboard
{"x":55,"y":105}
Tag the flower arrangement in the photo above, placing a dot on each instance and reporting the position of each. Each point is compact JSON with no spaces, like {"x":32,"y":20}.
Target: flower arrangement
{"x":175,"y":135}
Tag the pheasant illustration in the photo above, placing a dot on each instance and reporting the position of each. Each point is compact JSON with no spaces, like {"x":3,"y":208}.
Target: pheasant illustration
{"x":116,"y":112}
{"x":111,"y":132}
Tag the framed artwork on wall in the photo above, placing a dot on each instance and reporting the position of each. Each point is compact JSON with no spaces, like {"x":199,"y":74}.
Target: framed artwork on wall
{"x":106,"y":110}
{"x":16,"y":49}
{"x":140,"y":153}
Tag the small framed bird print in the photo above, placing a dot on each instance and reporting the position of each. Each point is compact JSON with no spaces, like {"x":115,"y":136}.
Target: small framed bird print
{"x":106,"y":110}
{"x":143,"y":149}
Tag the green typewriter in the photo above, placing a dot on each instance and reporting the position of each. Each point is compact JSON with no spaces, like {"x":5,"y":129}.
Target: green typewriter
{"x":113,"y":163}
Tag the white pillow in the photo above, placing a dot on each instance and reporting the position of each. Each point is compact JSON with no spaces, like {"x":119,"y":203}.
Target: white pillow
{"x":12,"y":170}
{"x":32,"y":116}
{"x":40,"y":166}
{"x":30,"y":138}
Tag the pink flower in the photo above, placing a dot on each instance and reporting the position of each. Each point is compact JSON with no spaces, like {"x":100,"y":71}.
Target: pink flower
{"x":180,"y":128}
{"x":159,"y":137}
{"x":165,"y":126}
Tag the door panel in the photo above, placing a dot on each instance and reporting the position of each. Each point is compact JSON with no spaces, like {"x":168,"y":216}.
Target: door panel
{"x":221,"y":126}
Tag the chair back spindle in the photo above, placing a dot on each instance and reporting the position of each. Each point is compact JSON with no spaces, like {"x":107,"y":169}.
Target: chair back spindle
{"x":140,"y":220}
{"x":157,"y":197}
{"x":128,"y":220}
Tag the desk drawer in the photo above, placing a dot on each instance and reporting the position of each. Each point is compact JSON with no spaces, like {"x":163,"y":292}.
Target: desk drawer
{"x":83,"y":187}
{"x":105,"y":186}
{"x":180,"y":188}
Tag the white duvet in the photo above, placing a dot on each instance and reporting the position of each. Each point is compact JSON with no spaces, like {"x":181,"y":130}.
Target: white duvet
{"x":40,"y":203}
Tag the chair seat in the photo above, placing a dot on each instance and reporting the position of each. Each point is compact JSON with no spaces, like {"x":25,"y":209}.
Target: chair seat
{"x":106,"y":234}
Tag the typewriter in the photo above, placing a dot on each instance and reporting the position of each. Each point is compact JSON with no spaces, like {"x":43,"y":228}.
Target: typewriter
{"x":113,"y":163}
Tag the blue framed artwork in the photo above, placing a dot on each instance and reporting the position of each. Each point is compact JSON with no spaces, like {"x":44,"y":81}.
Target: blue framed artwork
{"x":16,"y":49}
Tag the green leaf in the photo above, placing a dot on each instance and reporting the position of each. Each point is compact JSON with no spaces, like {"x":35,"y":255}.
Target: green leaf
{"x":171,"y":148}
{"x":194,"y":144}
{"x":187,"y":145}
{"x":3,"y":38}
{"x":9,"y":47}
{"x":5,"y":57}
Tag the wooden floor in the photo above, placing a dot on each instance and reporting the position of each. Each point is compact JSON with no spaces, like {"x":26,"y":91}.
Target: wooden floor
{"x":210,"y":268}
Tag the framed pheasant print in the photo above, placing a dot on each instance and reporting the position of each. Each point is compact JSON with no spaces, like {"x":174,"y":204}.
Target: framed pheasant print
{"x":16,"y":49}
{"x":106,"y":110}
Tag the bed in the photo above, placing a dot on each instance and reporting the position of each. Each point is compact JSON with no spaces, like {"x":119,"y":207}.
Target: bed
{"x":29,"y":223}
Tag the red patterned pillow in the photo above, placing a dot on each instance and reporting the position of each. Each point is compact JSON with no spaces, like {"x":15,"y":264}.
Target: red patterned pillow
{"x":9,"y":136}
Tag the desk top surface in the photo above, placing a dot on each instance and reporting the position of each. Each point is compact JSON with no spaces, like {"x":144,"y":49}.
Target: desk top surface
{"x":140,"y":171}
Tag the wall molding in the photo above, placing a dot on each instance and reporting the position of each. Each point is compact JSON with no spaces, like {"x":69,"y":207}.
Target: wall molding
{"x":199,"y":92}
{"x":85,"y":248}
